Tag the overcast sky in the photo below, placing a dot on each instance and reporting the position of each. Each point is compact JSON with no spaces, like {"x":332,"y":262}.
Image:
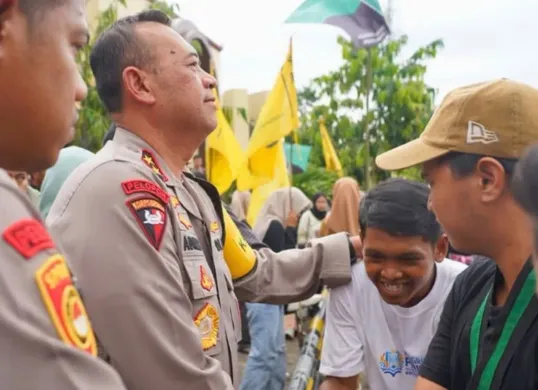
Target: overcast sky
{"x":484,"y":39}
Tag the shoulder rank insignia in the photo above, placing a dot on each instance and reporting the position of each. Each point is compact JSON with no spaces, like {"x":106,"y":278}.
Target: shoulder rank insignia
{"x":207,"y":321}
{"x":214,"y":227}
{"x":144,"y":186}
{"x":205,"y":280}
{"x":28,"y":237}
{"x":149,"y":159}
{"x":64,"y":304}
{"x":151,"y":216}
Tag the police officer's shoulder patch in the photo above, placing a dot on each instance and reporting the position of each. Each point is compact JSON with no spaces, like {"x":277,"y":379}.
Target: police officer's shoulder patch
{"x":64,"y":304}
{"x":144,"y":186}
{"x":207,"y":321}
{"x":151,"y":215}
{"x":28,"y":237}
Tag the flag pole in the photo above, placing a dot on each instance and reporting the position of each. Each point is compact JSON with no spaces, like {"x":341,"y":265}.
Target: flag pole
{"x":369,"y":72}
{"x":291,"y":172}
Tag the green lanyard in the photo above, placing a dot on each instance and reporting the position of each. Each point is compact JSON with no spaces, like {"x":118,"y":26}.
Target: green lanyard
{"x":523,"y":299}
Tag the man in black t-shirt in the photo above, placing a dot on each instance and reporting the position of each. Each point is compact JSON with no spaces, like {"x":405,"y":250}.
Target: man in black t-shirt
{"x":488,"y":333}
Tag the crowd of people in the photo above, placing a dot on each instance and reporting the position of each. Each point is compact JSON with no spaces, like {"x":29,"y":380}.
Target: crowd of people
{"x":124,"y":269}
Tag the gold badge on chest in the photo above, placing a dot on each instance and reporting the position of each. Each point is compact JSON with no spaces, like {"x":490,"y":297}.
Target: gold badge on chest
{"x":207,"y":321}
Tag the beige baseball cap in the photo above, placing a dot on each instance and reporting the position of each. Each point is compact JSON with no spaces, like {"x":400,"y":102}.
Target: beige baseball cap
{"x":496,"y":118}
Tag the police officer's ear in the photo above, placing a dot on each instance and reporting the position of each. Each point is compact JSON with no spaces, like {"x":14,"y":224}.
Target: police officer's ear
{"x":138,"y":86}
{"x":8,"y":12}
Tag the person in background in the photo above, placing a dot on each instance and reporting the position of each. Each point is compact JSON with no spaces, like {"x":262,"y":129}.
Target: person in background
{"x":382,"y":323}
{"x":70,"y":158}
{"x":198,"y":169}
{"x":344,"y":214}
{"x":525,"y":189}
{"x":240,"y":203}
{"x":487,"y":336}
{"x":276,"y":227}
{"x":36,"y":179}
{"x":310,"y":220}
{"x":22,"y":179}
{"x":456,"y":255}
{"x":239,"y":206}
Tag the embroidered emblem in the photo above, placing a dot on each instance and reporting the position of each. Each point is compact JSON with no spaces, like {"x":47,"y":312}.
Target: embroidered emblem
{"x":28,"y":237}
{"x":477,"y":133}
{"x":149,"y":159}
{"x":137,"y":186}
{"x":205,"y":280}
{"x":64,"y":304}
{"x":191,"y":243}
{"x":214,"y":227}
{"x":151,"y":216}
{"x":207,"y":322}
{"x":184,"y":221}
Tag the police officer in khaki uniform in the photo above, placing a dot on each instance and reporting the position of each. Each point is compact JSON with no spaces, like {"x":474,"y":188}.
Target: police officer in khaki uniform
{"x":46,"y":340}
{"x":158,"y":258}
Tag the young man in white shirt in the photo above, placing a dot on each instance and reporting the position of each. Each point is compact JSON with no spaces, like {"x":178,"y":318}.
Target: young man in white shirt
{"x":381,"y":324}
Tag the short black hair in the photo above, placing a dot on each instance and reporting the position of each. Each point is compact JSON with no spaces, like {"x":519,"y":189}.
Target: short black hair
{"x":524,"y":183}
{"x":399,"y":207}
{"x":463,"y":164}
{"x":117,"y":48}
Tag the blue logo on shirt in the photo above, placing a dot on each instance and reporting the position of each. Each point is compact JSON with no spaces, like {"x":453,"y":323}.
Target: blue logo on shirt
{"x":394,"y":362}
{"x":391,"y":362}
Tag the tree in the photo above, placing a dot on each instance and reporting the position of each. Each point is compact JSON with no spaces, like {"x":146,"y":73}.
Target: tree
{"x":400,"y":104}
{"x":93,"y":118}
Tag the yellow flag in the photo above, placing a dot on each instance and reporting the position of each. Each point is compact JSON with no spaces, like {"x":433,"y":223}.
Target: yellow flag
{"x":332,"y":163}
{"x":261,"y":193}
{"x":277,"y":119}
{"x":223,"y":153}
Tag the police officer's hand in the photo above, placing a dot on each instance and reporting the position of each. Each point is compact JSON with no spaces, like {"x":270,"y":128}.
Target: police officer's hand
{"x":357,"y":245}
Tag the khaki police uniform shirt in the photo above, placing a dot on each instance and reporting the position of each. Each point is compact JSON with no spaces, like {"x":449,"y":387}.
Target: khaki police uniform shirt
{"x":147,"y":250}
{"x":46,"y":341}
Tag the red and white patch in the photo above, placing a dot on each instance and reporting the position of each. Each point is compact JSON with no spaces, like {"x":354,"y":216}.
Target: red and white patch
{"x":151,"y":216}
{"x":144,"y":186}
{"x":28,"y":237}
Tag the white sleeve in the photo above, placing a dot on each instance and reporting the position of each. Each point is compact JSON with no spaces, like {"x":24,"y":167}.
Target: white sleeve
{"x":302,"y":228}
{"x":342,"y":354}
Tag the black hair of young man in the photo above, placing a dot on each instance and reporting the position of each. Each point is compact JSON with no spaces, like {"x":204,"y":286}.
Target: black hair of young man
{"x":399,"y":207}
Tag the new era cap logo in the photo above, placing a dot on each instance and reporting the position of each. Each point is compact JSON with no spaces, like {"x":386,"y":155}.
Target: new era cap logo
{"x":476,"y":133}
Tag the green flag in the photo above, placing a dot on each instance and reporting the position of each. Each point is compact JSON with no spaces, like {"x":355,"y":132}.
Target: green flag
{"x":362,"y":19}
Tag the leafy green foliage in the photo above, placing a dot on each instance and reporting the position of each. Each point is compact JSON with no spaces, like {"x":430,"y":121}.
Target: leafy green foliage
{"x":400,"y":104}
{"x":93,"y":117}
{"x":172,"y":10}
{"x":315,"y":179}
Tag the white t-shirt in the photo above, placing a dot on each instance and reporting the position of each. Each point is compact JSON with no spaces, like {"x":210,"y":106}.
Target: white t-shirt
{"x":363,"y":333}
